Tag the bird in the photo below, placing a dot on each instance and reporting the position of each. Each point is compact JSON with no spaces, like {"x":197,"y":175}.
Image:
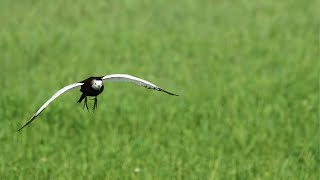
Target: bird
{"x":92,"y":87}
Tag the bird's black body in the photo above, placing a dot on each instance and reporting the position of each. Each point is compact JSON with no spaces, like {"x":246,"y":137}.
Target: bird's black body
{"x":87,"y":90}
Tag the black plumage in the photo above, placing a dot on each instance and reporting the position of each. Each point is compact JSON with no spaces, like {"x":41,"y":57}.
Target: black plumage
{"x":87,"y":90}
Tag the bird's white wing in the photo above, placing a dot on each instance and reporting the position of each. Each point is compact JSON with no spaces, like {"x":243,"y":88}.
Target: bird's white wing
{"x":57,"y":94}
{"x":129,"y":78}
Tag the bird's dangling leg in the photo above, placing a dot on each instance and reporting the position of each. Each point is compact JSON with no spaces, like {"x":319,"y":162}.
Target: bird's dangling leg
{"x":95,"y":105}
{"x":86,"y":103}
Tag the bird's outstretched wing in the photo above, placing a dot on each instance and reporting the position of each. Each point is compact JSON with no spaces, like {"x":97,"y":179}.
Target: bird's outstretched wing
{"x":129,"y":78}
{"x":57,"y":94}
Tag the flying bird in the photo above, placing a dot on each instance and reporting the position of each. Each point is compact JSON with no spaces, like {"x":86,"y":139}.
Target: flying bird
{"x":93,"y":86}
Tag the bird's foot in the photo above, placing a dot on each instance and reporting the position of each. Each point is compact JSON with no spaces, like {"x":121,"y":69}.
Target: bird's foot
{"x":85,"y":104}
{"x":95,"y":105}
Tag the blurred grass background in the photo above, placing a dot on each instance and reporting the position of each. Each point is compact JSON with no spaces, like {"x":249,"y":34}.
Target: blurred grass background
{"x":247,"y":73}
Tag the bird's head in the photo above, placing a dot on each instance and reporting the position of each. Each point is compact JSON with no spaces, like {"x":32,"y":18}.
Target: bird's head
{"x":96,"y":84}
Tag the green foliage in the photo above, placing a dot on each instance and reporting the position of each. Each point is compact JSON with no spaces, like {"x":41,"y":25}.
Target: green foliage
{"x":247,"y":73}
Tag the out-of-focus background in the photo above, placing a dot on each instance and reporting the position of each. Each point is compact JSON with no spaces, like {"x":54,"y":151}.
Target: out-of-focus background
{"x":247,"y":73}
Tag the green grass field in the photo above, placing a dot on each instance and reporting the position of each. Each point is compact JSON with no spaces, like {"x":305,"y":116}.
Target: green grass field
{"x":247,"y":73}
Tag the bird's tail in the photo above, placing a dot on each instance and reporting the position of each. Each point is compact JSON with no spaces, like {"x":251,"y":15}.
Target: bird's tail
{"x":81,"y":98}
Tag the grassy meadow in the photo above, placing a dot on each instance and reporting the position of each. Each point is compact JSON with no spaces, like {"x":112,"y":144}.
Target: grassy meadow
{"x":247,"y":73}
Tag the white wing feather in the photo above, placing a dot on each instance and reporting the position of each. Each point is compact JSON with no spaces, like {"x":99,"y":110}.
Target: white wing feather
{"x":57,"y":94}
{"x":138,"y":81}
